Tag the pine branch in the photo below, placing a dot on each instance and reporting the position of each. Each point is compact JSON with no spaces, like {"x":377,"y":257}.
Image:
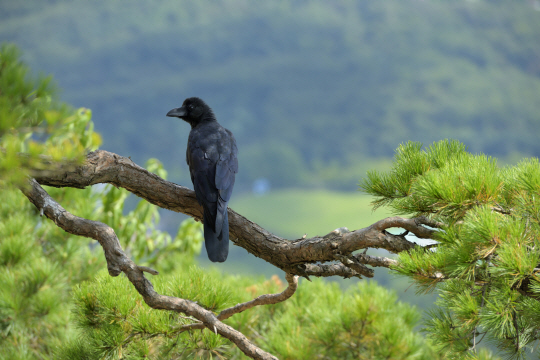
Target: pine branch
{"x":354,"y":264}
{"x":296,"y":257}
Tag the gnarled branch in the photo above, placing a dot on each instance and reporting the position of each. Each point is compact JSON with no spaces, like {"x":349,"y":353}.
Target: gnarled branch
{"x":118,"y":262}
{"x":304,"y":257}
{"x":376,"y":261}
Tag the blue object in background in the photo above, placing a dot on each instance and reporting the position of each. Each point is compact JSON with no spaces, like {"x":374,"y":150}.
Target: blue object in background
{"x":261,"y":186}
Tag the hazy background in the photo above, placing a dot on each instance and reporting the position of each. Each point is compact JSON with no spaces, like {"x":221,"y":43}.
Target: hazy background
{"x":316,"y":92}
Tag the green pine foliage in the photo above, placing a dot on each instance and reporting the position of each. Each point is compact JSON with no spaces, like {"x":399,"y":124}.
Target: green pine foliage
{"x":39,"y":263}
{"x":319,"y":322}
{"x":115,"y":323}
{"x":486,"y":264}
{"x":364,"y":322}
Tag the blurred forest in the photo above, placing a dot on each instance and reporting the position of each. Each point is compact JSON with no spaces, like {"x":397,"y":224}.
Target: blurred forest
{"x":315,"y":92}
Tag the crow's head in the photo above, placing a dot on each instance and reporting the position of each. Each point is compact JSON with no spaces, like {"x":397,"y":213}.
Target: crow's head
{"x":193,"y":110}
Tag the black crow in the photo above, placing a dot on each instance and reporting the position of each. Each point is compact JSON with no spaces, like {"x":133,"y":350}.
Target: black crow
{"x":211,"y":157}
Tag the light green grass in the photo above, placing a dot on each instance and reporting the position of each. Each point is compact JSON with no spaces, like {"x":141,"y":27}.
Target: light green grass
{"x":292,"y":213}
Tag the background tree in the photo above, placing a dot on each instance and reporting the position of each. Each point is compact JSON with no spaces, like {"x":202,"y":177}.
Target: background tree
{"x":405,"y":70}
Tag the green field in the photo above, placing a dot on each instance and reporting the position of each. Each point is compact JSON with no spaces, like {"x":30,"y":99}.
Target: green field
{"x":292,"y":213}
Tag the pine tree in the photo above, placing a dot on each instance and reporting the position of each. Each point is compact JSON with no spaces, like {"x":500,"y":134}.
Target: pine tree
{"x":485,"y":264}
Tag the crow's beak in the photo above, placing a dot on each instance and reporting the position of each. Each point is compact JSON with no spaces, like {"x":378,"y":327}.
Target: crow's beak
{"x":178,"y":112}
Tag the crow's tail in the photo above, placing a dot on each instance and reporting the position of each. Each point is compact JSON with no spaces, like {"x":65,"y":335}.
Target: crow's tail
{"x":217,"y":245}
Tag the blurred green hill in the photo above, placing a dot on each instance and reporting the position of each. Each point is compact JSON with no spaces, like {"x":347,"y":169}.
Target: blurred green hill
{"x":315,"y":92}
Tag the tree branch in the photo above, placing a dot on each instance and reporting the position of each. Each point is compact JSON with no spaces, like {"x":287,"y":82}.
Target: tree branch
{"x":117,"y":262}
{"x":376,"y":261}
{"x":295,"y":257}
{"x":355,"y":265}
{"x":263,"y":299}
{"x":268,"y":299}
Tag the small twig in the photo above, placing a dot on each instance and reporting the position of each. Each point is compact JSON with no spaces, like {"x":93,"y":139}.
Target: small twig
{"x":376,"y":261}
{"x":423,"y":220}
{"x":148,"y":270}
{"x":517,"y":329}
{"x":501,"y":210}
{"x":414,"y":225}
{"x":267,"y":299}
{"x":482,"y":338}
{"x":188,"y":318}
{"x":327,"y":270}
{"x":476,"y":327}
{"x":474,"y":340}
{"x":301,"y":270}
{"x":484,"y":287}
{"x":263,"y":299}
{"x":353,"y":263}
{"x":405,"y":233}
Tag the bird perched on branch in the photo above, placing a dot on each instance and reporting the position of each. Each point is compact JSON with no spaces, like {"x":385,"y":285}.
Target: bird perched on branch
{"x":211,"y":157}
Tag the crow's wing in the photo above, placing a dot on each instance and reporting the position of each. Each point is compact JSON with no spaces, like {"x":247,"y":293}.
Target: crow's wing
{"x":213,"y":166}
{"x":226,"y":169}
{"x":202,"y":170}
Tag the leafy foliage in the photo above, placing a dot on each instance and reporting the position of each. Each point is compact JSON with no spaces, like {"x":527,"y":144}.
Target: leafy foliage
{"x":486,"y":264}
